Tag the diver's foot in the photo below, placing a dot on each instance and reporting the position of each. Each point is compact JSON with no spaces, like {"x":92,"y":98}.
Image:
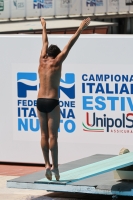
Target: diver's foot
{"x":55,"y":172}
{"x":48,"y":174}
{"x":123,"y":151}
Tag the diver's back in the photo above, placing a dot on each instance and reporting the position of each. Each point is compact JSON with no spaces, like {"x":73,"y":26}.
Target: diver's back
{"x":49,"y":74}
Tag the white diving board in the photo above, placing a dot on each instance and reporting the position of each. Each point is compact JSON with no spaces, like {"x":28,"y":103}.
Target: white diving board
{"x":90,"y":170}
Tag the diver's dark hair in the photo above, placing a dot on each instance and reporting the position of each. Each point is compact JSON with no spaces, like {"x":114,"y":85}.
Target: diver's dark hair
{"x":53,"y":51}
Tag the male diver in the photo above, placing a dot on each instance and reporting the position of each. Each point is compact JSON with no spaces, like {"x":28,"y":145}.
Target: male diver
{"x":48,"y":109}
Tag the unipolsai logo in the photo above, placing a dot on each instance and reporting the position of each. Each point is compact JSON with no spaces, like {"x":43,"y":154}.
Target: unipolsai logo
{"x":67,"y":102}
{"x":26,"y":101}
{"x":19,"y":4}
{"x":92,"y":127}
{"x":94,"y":123}
{"x":66,"y":3}
{"x":114,"y":3}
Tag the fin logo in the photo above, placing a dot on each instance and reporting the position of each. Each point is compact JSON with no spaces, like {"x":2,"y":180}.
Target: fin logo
{"x":26,"y":82}
{"x":38,"y":4}
{"x":68,"y":86}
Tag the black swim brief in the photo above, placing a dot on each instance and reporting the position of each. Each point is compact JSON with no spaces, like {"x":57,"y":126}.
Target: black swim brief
{"x":46,"y":105}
